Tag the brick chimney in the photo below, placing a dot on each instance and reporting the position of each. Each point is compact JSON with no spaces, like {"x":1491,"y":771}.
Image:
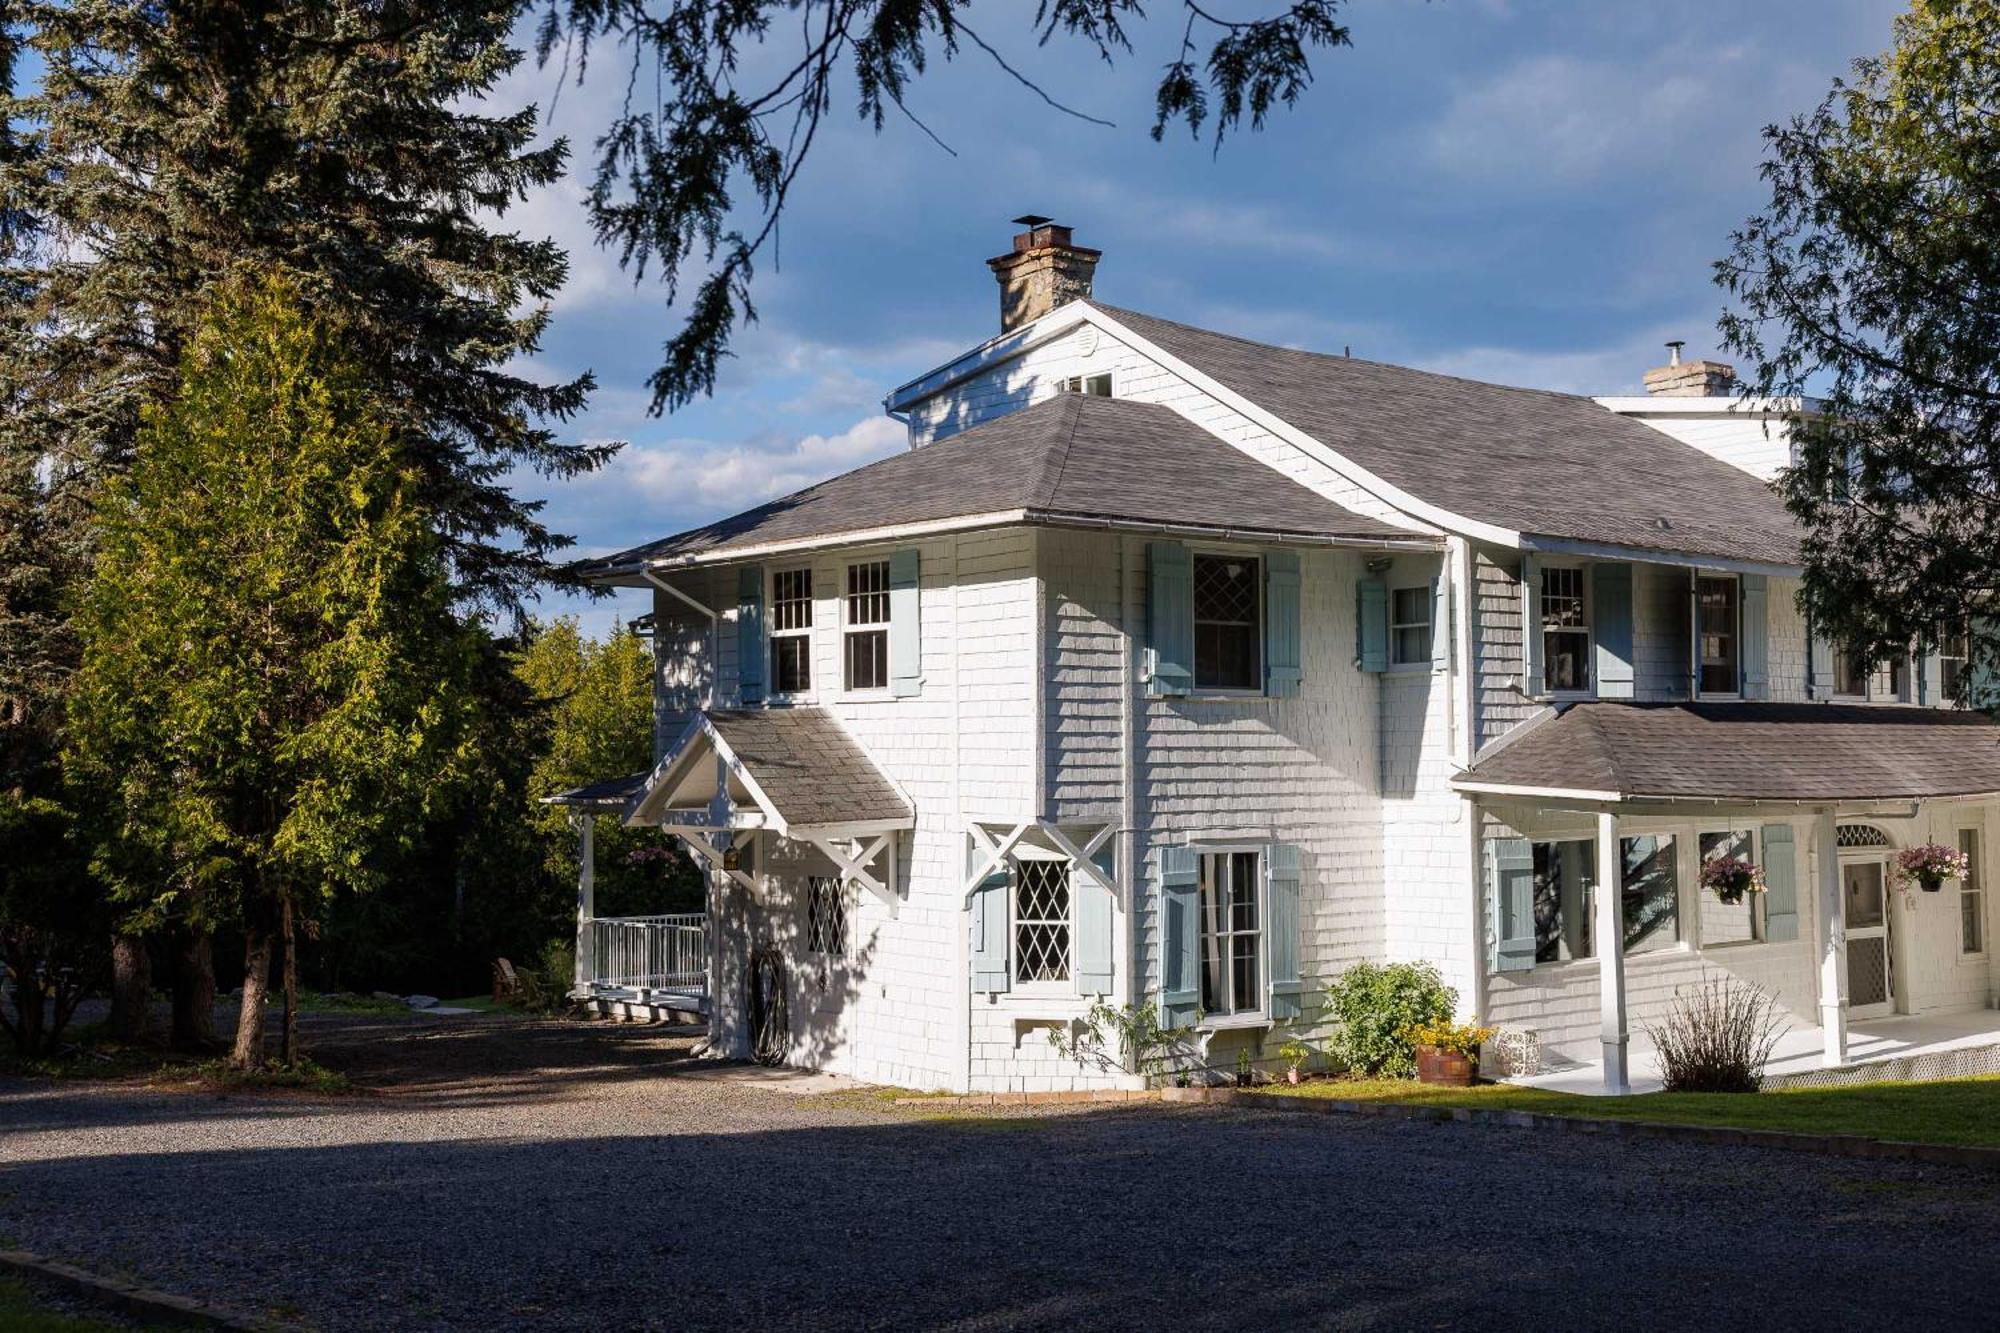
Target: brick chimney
{"x":1042,"y":271}
{"x":1690,"y":379}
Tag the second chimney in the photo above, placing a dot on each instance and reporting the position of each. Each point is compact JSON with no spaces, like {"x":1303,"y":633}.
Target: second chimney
{"x":1690,"y":379}
{"x":1041,"y":272}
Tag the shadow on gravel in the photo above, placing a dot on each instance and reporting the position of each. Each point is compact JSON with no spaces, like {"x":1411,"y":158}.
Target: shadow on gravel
{"x":1126,"y":1217}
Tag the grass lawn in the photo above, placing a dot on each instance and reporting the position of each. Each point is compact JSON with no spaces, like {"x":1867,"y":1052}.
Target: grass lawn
{"x":1959,"y":1111}
{"x":23,"y":1311}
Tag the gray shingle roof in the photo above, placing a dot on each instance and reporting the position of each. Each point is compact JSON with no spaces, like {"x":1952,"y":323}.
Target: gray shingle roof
{"x":813,"y":772}
{"x":1534,"y":461}
{"x":609,"y":793}
{"x":1073,"y":456}
{"x":1775,"y":752}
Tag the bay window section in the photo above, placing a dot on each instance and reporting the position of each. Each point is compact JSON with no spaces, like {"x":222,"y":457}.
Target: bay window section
{"x":1232,"y":935}
{"x":1717,"y":635}
{"x":1565,"y":631}
{"x":1228,"y":622}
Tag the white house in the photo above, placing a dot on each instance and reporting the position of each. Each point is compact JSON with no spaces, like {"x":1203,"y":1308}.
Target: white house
{"x":1174,"y":669}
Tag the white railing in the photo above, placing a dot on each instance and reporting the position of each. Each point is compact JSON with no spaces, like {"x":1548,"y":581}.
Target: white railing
{"x":644,"y":953}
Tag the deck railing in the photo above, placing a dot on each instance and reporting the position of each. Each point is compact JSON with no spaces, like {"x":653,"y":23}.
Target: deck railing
{"x":648,"y":953}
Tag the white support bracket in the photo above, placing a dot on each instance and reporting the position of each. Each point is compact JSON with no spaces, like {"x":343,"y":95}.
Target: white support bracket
{"x":995,"y":849}
{"x":697,"y":842}
{"x":854,"y":860}
{"x":1083,"y":857}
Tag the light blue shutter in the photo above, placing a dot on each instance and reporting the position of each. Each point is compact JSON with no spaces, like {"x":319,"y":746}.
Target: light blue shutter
{"x":1180,"y":937}
{"x":1281,"y":922}
{"x":1781,"y":883}
{"x":1512,"y":875}
{"x":1982,"y":680}
{"x":1283,"y":660}
{"x":750,"y":634}
{"x":1756,"y":638}
{"x":989,"y":934}
{"x":1441,"y":624}
{"x":1531,"y":627}
{"x":1611,"y":628}
{"x":1093,"y":930}
{"x":906,"y":652}
{"x":1371,"y":624}
{"x":1819,"y":665}
{"x":1169,"y":618}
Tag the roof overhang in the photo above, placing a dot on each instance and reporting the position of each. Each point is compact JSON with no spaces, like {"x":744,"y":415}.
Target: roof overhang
{"x":702,"y":784}
{"x":1647,"y":555}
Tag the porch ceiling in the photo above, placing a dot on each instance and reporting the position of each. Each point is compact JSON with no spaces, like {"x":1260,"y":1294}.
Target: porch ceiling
{"x":1806,"y":753}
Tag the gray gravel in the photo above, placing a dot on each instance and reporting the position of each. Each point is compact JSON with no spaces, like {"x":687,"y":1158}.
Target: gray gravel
{"x":561,"y":1176}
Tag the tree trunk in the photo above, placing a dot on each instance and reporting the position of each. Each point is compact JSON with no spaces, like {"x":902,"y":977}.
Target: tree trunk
{"x":248,"y":1052}
{"x":194,"y":989}
{"x":291,"y":988}
{"x":131,"y":987}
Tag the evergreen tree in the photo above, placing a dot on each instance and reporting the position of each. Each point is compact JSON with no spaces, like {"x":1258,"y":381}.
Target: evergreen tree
{"x":1869,"y":292}
{"x":272,"y":683}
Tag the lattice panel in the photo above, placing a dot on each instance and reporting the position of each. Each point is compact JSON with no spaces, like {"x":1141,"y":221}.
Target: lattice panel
{"x":1867,"y":971}
{"x":1041,"y":921}
{"x":1860,"y":835}
{"x":826,"y":922}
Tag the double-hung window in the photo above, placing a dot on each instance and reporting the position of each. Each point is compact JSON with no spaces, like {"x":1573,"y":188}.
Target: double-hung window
{"x":1971,"y":895}
{"x":1041,"y":921}
{"x":1850,"y":674}
{"x":1953,"y":652}
{"x":1565,"y":902}
{"x":791,"y":631}
{"x":1091,"y":386}
{"x":1892,"y":679}
{"x":1232,"y":934}
{"x":1565,"y":630}
{"x":1729,"y":923}
{"x":1410,"y":626}
{"x":1718,"y":635}
{"x":1228,"y":622}
{"x":865,"y":637}
{"x":826,"y":917}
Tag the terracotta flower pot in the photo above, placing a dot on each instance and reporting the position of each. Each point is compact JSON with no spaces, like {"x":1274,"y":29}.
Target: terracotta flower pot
{"x":1291,"y":1076}
{"x":1446,"y":1068}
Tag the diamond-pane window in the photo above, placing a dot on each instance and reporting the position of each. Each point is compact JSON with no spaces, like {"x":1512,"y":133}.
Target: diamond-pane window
{"x":1228,"y":615}
{"x":826,"y":917}
{"x":1041,"y":921}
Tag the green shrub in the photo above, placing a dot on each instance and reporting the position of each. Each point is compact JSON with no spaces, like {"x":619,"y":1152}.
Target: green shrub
{"x":1373,"y":1005}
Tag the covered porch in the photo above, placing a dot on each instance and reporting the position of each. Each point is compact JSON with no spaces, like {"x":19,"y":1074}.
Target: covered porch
{"x":1600,"y":817}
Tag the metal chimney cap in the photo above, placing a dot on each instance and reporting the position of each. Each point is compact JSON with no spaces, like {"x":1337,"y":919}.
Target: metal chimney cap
{"x":1674,"y":350}
{"x":1031,"y":220}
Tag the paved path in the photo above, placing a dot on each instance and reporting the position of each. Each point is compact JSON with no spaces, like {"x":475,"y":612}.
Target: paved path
{"x":554,"y":1176}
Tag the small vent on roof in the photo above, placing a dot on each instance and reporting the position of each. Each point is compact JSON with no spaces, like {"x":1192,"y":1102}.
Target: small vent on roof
{"x":1860,"y":835}
{"x":1663,"y":523}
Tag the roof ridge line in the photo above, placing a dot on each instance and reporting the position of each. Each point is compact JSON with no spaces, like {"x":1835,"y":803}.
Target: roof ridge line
{"x":1606,"y":748}
{"x":1058,"y":457}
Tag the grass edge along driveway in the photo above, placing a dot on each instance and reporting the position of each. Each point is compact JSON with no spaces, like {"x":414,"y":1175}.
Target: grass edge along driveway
{"x":1964,"y":1112}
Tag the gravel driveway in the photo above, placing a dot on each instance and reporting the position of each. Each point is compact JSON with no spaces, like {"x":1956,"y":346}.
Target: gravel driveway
{"x":549,"y":1175}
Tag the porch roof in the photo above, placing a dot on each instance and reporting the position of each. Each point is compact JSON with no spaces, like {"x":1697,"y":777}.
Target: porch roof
{"x":796,"y":771}
{"x":607,"y":794}
{"x":1808,"y":753}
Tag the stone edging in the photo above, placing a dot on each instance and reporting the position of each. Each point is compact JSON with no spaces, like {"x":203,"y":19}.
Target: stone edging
{"x":129,"y":1298}
{"x":1833,"y":1145}
{"x":975,"y":1100}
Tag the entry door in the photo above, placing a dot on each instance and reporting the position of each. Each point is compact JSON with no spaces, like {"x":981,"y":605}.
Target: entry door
{"x":1864,"y":896}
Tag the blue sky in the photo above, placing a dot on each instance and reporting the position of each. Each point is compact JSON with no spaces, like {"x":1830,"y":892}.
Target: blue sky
{"x":1525,"y":192}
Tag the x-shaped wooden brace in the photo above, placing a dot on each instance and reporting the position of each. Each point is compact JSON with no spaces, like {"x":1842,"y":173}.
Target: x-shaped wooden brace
{"x":1082,"y":856}
{"x":853,"y":863}
{"x":995,"y":849}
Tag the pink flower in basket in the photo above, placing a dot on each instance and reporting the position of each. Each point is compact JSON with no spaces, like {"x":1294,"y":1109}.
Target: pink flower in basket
{"x":1730,"y":877}
{"x":1930,"y":865}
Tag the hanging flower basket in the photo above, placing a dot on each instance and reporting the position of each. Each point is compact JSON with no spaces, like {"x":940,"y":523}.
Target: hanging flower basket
{"x":1930,"y":865}
{"x":1732,"y":878}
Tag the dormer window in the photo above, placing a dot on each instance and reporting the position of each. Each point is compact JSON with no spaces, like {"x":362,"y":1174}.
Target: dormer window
{"x":1090,"y":386}
{"x":1565,"y":631}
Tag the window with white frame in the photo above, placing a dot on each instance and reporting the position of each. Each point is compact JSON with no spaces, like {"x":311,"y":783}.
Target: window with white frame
{"x":1232,"y":934}
{"x":1565,"y":630}
{"x":1892,"y":679}
{"x":791,"y":631}
{"x":1954,"y":651}
{"x":1091,"y":386}
{"x":826,"y":917}
{"x":1729,"y":923}
{"x":1717,"y":634}
{"x":1228,"y":622}
{"x":1410,"y":626}
{"x":1041,"y":921}
{"x":1565,"y":898}
{"x":1971,"y":895}
{"x":865,"y":638}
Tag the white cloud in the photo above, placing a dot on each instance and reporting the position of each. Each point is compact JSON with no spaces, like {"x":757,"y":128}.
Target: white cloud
{"x":695,"y":474}
{"x":1613,"y":369}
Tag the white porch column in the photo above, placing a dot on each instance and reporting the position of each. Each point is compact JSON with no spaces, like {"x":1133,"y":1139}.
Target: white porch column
{"x":586,"y":895}
{"x":1610,"y":946}
{"x":1830,"y":932}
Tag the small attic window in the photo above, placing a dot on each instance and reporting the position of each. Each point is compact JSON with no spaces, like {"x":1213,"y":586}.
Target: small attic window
{"x":1093,"y":386}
